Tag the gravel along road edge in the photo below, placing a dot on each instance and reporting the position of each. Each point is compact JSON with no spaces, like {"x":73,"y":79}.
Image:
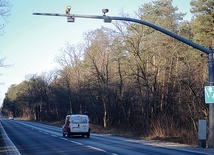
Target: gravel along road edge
{"x":8,"y":147}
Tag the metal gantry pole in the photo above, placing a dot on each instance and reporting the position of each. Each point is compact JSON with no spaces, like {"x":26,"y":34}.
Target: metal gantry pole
{"x":211,"y":105}
{"x":211,"y":126}
{"x":108,"y":19}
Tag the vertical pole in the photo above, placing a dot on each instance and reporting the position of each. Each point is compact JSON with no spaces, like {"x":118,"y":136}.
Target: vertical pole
{"x":147,"y":111}
{"x":202,"y":133}
{"x":211,"y":105}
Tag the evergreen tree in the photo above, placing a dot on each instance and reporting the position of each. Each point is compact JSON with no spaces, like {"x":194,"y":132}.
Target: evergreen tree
{"x":203,"y":22}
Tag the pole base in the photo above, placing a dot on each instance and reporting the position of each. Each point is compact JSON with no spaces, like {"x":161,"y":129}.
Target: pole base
{"x":202,"y":143}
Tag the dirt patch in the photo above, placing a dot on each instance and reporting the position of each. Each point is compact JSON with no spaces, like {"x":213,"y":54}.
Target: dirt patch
{"x":112,"y":131}
{"x":56,"y":123}
{"x":167,"y":139}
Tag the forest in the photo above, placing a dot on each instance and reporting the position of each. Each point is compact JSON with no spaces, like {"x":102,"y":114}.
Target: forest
{"x":130,"y":77}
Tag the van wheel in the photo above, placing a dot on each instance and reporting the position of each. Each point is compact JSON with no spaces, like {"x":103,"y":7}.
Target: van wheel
{"x":63,"y":135}
{"x":88,"y":135}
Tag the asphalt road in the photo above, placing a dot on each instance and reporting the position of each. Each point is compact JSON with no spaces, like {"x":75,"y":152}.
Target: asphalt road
{"x":32,"y":138}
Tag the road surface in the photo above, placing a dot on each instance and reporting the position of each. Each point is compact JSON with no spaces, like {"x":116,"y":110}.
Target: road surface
{"x":31,"y":138}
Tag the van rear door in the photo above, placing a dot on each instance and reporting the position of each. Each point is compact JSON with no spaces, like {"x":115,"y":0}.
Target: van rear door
{"x":79,"y":123}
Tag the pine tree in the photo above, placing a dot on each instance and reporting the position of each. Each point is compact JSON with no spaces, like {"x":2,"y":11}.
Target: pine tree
{"x":203,"y":22}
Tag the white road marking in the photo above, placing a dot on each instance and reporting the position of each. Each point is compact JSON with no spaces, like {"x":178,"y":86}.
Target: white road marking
{"x":76,"y":142}
{"x":53,"y":135}
{"x":64,"y":139}
{"x":95,"y":148}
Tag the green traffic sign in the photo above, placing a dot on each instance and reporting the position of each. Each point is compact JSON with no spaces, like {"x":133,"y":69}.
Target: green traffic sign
{"x":209,"y":94}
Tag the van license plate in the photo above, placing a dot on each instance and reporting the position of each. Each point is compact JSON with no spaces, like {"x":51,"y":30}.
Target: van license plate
{"x":75,"y":125}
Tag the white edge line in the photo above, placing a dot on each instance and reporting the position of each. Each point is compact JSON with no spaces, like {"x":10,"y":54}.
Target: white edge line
{"x":11,"y":148}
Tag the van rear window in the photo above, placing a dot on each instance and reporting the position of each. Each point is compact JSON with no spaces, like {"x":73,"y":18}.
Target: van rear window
{"x":79,"y":120}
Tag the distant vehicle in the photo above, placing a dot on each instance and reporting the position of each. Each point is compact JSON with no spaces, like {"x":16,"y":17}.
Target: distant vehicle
{"x":11,"y":117}
{"x":76,"y":125}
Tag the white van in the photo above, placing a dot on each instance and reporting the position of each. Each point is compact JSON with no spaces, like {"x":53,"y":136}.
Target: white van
{"x":76,"y":125}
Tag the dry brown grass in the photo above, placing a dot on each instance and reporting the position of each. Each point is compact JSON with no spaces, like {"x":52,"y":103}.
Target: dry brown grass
{"x":182,"y":136}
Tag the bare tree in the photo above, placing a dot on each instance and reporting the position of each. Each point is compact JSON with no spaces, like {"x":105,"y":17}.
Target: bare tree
{"x":4,"y":13}
{"x":5,"y":8}
{"x":70,"y":63}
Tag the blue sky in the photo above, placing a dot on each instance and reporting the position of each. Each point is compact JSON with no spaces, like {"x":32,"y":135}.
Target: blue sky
{"x":30,"y":43}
